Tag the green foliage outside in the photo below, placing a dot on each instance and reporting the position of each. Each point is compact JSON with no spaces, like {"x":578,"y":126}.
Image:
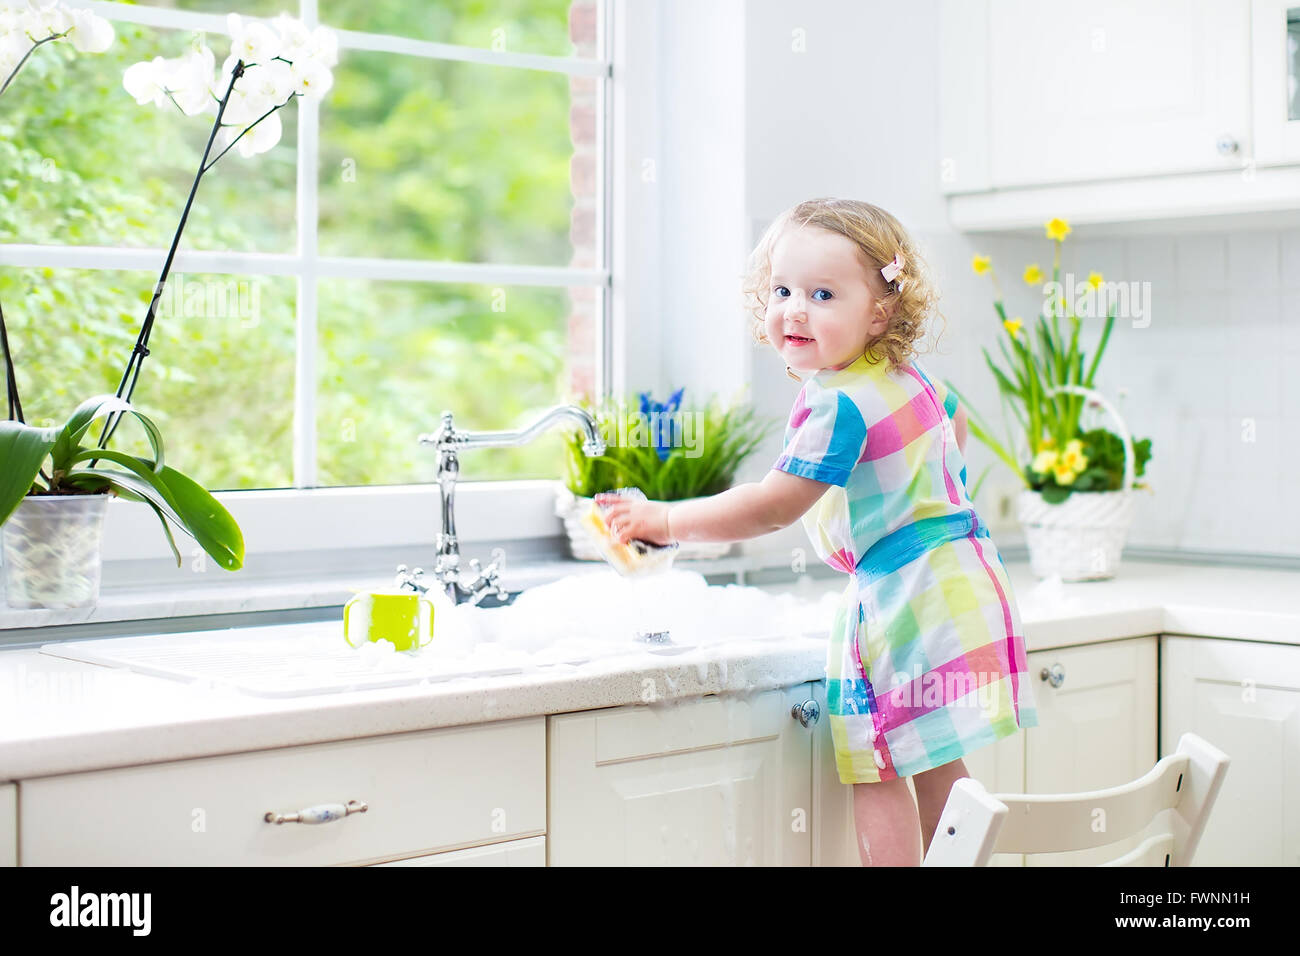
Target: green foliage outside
{"x":419,"y":159}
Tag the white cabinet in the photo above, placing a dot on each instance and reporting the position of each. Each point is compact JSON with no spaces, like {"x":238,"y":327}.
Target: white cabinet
{"x":1096,"y":728}
{"x":1110,"y":111}
{"x":1243,"y":697}
{"x":433,"y":790}
{"x":720,"y":780}
{"x":1100,"y":89}
{"x":530,"y":852}
{"x":8,"y":825}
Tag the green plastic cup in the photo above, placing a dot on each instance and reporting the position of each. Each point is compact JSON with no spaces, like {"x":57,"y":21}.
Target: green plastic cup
{"x":396,"y":616}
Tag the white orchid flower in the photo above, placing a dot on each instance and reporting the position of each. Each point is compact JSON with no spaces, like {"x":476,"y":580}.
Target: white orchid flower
{"x":324,"y":47}
{"x":254,"y":42}
{"x":144,"y":81}
{"x":90,"y":33}
{"x":189,"y":81}
{"x":272,"y":81}
{"x":295,"y":38}
{"x":47,"y":18}
{"x":257,"y":139}
{"x":244,"y":107}
{"x":311,"y":78}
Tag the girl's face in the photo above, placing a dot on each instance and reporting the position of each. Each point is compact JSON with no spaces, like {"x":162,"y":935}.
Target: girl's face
{"x":821,"y":313}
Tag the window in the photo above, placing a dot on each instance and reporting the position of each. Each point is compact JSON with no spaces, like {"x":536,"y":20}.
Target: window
{"x":428,"y":237}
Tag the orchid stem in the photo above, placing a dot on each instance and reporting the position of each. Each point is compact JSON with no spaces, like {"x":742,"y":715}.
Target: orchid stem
{"x":10,"y":78}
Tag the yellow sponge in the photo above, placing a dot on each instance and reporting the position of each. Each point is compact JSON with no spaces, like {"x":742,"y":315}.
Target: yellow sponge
{"x":635,"y":557}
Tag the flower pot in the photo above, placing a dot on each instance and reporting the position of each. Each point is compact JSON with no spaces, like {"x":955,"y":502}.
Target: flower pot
{"x":1082,"y":537}
{"x":570,"y":508}
{"x":52,"y":551}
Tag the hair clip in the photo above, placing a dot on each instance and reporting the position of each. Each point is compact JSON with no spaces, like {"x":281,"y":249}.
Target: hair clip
{"x":892,"y":271}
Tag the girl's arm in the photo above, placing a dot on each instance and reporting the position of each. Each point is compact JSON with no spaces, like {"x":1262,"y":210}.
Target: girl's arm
{"x":745,"y":511}
{"x":959,"y":425}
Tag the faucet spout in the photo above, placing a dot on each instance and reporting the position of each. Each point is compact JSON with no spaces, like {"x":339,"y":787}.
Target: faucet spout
{"x":449,"y":443}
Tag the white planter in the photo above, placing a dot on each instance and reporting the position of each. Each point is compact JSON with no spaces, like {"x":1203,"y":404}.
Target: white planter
{"x":570,"y":508}
{"x":1081,"y":538}
{"x":52,"y":551}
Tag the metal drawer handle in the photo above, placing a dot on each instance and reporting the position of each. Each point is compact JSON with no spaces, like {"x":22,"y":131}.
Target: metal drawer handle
{"x":324,"y":813}
{"x":1055,"y":675}
{"x":806,"y":713}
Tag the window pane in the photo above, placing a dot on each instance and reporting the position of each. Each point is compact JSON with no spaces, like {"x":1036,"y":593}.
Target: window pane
{"x":257,"y":8}
{"x":515,"y":26}
{"x":437,"y":159}
{"x":394,"y":356}
{"x":84,"y":165}
{"x":218,"y":380}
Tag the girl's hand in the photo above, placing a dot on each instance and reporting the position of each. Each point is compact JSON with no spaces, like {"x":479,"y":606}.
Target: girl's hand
{"x":631,"y":518}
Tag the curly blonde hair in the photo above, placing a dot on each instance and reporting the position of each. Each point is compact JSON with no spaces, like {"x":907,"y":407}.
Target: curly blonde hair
{"x":879,"y":237}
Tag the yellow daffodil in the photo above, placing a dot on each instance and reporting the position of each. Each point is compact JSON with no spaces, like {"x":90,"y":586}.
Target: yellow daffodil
{"x":1094,"y":279}
{"x":1044,"y":461}
{"x":1076,"y":461}
{"x":1057,"y":229}
{"x":1063,"y":474}
{"x":980,"y":264}
{"x":1033,"y":275}
{"x":1013,"y":327}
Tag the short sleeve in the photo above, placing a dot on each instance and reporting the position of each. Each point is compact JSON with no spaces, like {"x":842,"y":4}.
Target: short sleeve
{"x":825,"y":437}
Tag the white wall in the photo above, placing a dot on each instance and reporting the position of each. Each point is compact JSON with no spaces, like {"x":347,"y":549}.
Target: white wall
{"x":856,"y":114}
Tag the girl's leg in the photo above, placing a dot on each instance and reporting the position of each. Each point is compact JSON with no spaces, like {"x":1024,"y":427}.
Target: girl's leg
{"x":932,"y":788}
{"x":888,"y":830}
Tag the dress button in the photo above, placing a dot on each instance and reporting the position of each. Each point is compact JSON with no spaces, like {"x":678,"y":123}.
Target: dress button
{"x":880,"y":761}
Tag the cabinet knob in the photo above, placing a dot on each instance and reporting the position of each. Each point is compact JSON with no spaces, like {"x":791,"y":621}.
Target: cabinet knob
{"x":323,"y":813}
{"x":1054,"y":675}
{"x":1227,"y":145}
{"x":806,"y":713}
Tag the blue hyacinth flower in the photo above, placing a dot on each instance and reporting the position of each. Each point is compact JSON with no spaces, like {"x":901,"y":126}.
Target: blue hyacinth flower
{"x":663,"y":429}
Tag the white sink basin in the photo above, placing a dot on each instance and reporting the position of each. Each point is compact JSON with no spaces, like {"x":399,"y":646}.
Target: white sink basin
{"x":570,"y":621}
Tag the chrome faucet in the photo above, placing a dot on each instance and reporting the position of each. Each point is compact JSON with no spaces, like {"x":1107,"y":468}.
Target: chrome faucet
{"x":481,"y":585}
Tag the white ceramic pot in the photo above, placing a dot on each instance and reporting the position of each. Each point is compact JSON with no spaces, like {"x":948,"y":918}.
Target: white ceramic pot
{"x":52,"y":551}
{"x":570,"y":508}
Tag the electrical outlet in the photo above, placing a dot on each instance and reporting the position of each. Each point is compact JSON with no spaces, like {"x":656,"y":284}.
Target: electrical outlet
{"x":999,"y":506}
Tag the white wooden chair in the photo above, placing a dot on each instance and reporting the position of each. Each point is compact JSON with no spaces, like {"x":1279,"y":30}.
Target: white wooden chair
{"x":976,"y":824}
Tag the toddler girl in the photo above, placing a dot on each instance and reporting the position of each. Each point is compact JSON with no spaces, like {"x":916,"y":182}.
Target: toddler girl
{"x":926,"y":658}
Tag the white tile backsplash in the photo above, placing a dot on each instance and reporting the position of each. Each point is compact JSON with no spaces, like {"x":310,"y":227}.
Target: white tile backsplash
{"x":1253,"y":259}
{"x":1202,"y":263}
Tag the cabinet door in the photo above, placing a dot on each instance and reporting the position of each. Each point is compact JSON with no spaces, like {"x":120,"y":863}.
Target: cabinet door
{"x":1102,"y":89}
{"x":1096,"y":730}
{"x":530,"y":852}
{"x":1244,"y":698}
{"x":1275,"y":65}
{"x":716,"y":781}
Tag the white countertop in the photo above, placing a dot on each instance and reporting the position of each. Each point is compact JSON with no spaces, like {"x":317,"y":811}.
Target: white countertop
{"x":60,"y":716}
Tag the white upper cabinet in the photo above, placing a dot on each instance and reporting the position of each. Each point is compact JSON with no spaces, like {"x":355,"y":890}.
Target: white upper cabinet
{"x":1118,"y":110}
{"x":1082,"y":89}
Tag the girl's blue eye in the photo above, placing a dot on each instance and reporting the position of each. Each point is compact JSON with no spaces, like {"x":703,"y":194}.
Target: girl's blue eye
{"x":819,"y":292}
{"x":782,"y":291}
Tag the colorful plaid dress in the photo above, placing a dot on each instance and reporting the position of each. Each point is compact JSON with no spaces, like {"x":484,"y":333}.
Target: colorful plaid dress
{"x":927,"y":654}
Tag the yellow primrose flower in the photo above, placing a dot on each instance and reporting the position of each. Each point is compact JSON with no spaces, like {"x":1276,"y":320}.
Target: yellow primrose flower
{"x":1057,"y":229}
{"x":1013,"y":326}
{"x":1048,"y":442}
{"x":1063,"y":474}
{"x":1044,"y":462}
{"x":1033,"y":275}
{"x":1075,"y":460}
{"x":980,"y":264}
{"x":1094,"y":279}
{"x":1074,"y":446}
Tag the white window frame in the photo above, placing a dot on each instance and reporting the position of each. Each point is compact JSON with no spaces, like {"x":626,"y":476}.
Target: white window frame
{"x":280,"y":525}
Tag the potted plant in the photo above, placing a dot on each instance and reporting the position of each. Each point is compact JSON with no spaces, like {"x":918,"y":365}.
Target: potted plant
{"x":52,"y":522}
{"x":1078,"y":499}
{"x":671,"y":454}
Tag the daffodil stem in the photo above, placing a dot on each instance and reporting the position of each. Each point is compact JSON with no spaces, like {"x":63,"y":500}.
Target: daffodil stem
{"x":136,"y":359}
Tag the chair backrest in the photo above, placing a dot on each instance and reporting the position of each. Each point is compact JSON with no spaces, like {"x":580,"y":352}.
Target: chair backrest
{"x":976,"y":824}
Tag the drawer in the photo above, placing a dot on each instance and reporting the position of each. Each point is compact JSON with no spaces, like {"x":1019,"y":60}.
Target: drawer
{"x":530,"y":852}
{"x":426,"y":791}
{"x":8,"y":825}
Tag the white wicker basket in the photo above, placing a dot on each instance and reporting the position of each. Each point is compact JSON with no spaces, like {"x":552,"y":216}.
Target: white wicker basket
{"x":570,"y":508}
{"x":1082,"y":538}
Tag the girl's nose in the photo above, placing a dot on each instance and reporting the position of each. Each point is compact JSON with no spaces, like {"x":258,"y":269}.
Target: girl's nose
{"x":797,"y":304}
